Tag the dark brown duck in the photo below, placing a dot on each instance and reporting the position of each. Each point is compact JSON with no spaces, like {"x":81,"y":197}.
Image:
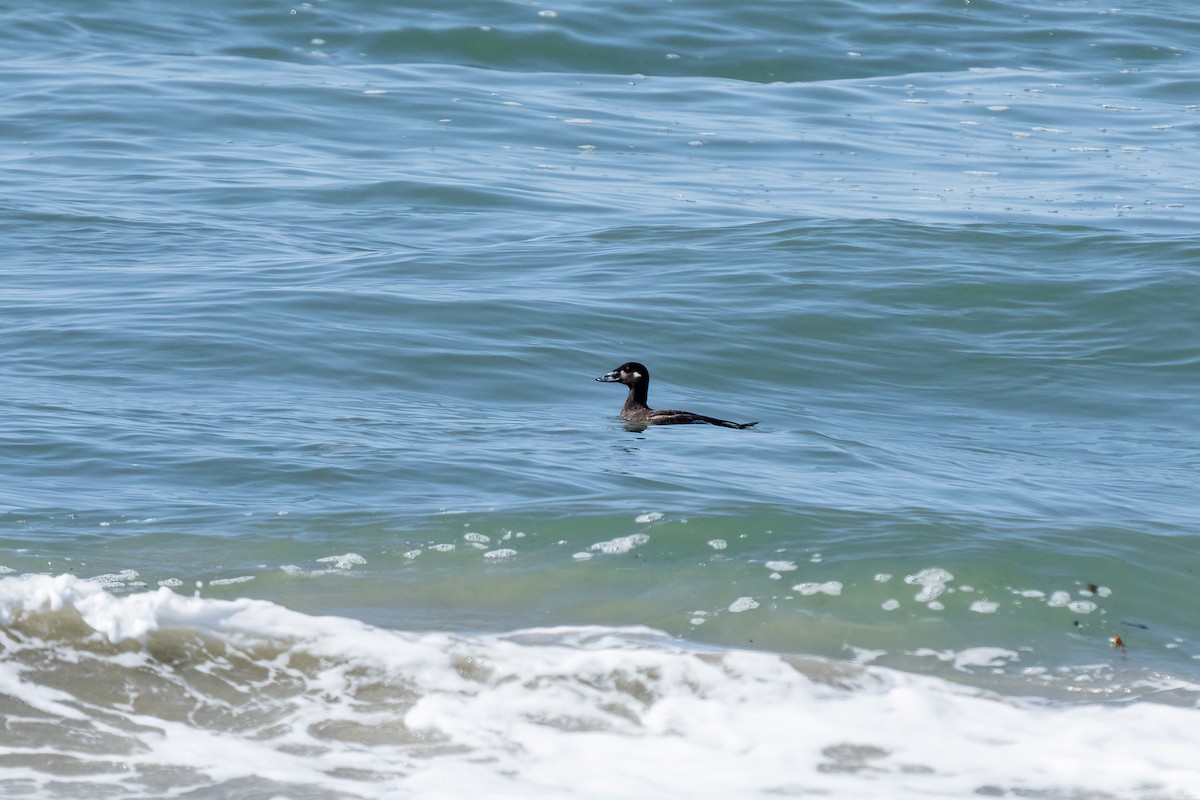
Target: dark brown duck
{"x":635,"y":410}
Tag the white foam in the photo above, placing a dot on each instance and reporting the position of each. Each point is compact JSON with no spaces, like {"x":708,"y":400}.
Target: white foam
{"x":500,"y":553}
{"x":833,"y":588}
{"x":932,"y":581}
{"x":743,"y":604}
{"x":971,"y":659}
{"x":1059,"y":599}
{"x":292,"y":704}
{"x":344,"y":561}
{"x":622,"y":544}
{"x":117,"y":580}
{"x":225,"y":581}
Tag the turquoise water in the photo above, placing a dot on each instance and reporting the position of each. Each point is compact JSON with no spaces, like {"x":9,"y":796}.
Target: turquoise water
{"x":302,"y":309}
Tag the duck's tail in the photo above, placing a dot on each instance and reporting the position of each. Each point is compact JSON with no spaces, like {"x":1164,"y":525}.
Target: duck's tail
{"x":724,"y":423}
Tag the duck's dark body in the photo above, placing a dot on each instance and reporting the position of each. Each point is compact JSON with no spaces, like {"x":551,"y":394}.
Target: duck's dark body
{"x":636,"y":412}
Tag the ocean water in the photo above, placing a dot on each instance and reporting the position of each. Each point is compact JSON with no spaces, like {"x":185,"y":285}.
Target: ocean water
{"x":308,"y":490}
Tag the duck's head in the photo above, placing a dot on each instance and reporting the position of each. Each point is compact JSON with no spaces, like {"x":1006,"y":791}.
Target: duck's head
{"x":629,"y":373}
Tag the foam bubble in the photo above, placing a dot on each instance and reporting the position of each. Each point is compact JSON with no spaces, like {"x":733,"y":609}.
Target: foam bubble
{"x":972,"y":658}
{"x":743,"y":604}
{"x":501,"y":552}
{"x":833,"y":588}
{"x":653,"y":516}
{"x":230,"y":581}
{"x":344,"y":561}
{"x":118,"y":580}
{"x":780,"y":566}
{"x":932,"y":581}
{"x":622,"y":544}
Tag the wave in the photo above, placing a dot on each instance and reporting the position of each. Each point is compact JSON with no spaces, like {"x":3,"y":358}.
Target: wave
{"x":155,"y":694}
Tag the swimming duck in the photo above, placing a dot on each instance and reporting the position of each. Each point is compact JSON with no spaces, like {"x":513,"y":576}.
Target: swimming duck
{"x":635,"y":410}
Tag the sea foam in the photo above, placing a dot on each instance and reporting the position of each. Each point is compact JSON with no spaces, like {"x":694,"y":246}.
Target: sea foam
{"x":224,"y":694}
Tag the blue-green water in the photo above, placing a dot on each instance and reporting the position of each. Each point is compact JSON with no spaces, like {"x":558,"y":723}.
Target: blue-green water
{"x":302,"y":304}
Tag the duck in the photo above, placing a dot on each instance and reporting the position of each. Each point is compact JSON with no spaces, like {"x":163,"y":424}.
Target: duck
{"x":635,"y":411}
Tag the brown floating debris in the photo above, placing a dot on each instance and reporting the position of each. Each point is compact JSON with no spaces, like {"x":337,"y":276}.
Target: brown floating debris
{"x":1115,"y":641}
